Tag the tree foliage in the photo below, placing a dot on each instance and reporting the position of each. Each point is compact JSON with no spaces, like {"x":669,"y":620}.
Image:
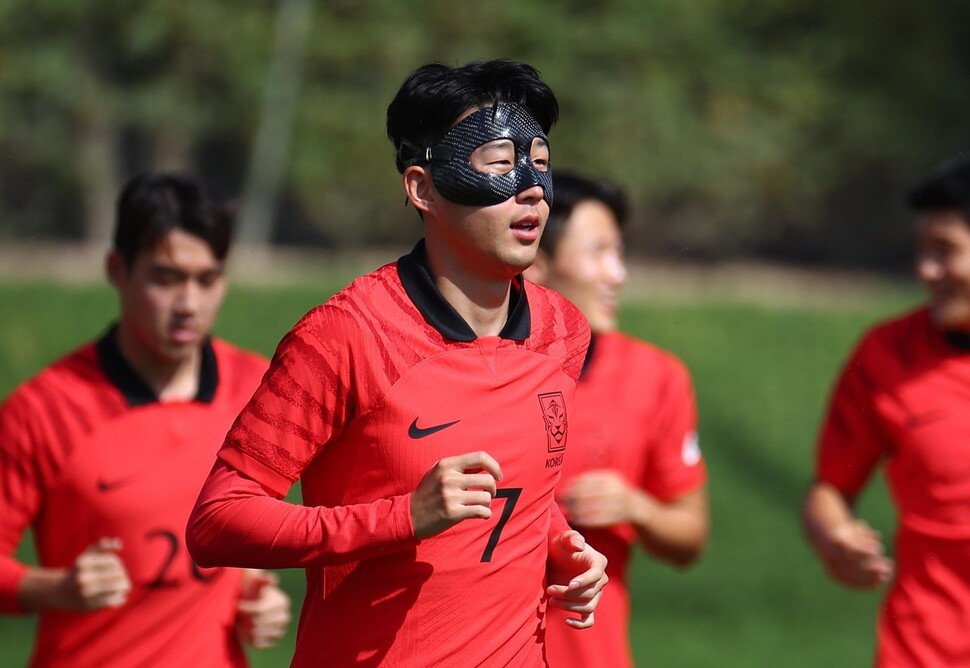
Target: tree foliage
{"x":787,"y":129}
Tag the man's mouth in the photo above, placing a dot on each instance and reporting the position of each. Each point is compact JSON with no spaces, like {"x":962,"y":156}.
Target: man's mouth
{"x":526,"y":224}
{"x":183,"y":334}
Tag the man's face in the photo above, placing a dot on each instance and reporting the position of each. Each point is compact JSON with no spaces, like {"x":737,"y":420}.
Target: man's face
{"x":587,"y":267}
{"x":170,"y":297}
{"x":501,"y":239}
{"x":493,"y":242}
{"x":943,"y":265}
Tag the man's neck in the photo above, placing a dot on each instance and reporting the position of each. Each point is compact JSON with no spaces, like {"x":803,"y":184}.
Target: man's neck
{"x":170,"y":380}
{"x":483,"y":304}
{"x":476,"y":286}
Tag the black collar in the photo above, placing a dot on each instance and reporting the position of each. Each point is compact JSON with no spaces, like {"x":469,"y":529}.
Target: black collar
{"x":958,"y":339}
{"x":134,"y":388}
{"x":419,"y":285}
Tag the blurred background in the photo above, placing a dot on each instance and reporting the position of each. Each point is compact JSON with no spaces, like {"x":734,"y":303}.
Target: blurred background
{"x":767,"y":147}
{"x":783,"y":129}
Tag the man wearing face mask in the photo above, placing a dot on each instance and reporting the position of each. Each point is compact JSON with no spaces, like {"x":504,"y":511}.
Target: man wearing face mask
{"x":425,"y":411}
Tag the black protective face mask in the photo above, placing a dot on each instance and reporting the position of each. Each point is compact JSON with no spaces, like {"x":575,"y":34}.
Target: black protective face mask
{"x":451,"y":166}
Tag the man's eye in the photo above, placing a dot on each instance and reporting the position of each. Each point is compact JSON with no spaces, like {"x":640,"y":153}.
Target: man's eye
{"x":208,"y":280}
{"x":165,"y":278}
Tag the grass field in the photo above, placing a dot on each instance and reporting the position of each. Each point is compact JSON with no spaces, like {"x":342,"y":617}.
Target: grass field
{"x":762,"y":373}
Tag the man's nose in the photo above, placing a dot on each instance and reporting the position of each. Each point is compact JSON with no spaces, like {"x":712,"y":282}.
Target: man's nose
{"x":929,"y":267}
{"x":188,"y":297}
{"x":616,"y":268}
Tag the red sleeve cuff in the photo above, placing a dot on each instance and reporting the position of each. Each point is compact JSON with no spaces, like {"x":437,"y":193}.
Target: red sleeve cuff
{"x":691,"y":480}
{"x":398,"y":522}
{"x":557,"y":521}
{"x":12,"y":572}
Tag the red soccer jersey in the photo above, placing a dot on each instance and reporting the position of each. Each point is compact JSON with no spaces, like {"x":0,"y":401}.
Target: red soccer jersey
{"x":363,"y":397}
{"x":87,"y":452}
{"x":904,"y":398}
{"x":634,"y":413}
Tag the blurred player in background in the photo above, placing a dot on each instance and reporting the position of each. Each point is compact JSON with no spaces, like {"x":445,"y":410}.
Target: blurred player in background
{"x":425,"y":409}
{"x":634,"y":472}
{"x":903,"y":401}
{"x":103,"y":454}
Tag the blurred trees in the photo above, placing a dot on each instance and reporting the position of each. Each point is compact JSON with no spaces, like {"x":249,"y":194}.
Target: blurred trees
{"x":787,"y":129}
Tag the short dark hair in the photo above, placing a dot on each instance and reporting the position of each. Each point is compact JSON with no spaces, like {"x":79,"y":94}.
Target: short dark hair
{"x":152,"y":205}
{"x":571,"y":189}
{"x":947,"y":187}
{"x":433,"y":97}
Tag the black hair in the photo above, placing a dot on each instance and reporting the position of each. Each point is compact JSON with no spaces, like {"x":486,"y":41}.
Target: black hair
{"x":152,"y":205}
{"x":433,"y":97}
{"x":947,"y":187}
{"x":569,"y":190}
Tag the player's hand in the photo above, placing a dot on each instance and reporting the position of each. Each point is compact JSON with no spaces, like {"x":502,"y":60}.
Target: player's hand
{"x":854,"y":555}
{"x":598,"y":498}
{"x":263,"y":609}
{"x":455,"y":489}
{"x":97,"y":580}
{"x":577,"y":575}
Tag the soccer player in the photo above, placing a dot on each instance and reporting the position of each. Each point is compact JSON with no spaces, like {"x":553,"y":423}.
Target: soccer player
{"x":103,"y":454}
{"x":634,"y":472}
{"x":426,"y":411}
{"x":903,"y":400}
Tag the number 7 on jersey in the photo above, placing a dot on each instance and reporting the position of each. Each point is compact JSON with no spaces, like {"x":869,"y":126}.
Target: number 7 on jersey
{"x":511,"y":496}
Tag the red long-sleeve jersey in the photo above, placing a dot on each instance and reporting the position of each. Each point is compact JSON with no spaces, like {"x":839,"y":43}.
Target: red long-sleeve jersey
{"x":363,"y":396}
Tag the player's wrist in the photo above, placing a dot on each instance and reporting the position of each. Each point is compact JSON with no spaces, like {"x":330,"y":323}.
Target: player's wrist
{"x":46,"y":589}
{"x":641,"y":509}
{"x":833,"y":538}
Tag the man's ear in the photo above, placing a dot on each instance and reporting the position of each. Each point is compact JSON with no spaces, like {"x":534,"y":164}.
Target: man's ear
{"x":115,"y":268}
{"x":539,"y":271}
{"x":419,"y":188}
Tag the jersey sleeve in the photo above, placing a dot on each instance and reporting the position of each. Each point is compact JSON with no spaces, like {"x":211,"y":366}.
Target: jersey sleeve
{"x":578,"y":336}
{"x":851,"y":440}
{"x":20,"y":496}
{"x":676,"y":466}
{"x":559,"y":329}
{"x":303,"y":401}
{"x":307,"y":397}
{"x":236,"y":522}
{"x":557,"y":521}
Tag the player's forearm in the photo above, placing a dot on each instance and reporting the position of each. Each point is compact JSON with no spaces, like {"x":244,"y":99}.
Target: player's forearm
{"x":43,"y":589}
{"x":236,"y":523}
{"x":824,"y":511}
{"x":675,"y":532}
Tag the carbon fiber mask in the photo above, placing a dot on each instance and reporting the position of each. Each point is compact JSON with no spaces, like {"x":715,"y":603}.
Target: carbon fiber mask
{"x":451,"y":166}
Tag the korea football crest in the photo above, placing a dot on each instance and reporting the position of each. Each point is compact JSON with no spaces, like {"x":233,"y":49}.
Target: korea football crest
{"x":554,"y":417}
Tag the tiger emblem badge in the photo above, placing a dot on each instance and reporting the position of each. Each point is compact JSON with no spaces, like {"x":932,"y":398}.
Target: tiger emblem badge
{"x":554,"y":417}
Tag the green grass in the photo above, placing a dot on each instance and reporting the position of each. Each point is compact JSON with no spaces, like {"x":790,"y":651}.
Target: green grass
{"x":758,"y":597}
{"x":762,"y":375}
